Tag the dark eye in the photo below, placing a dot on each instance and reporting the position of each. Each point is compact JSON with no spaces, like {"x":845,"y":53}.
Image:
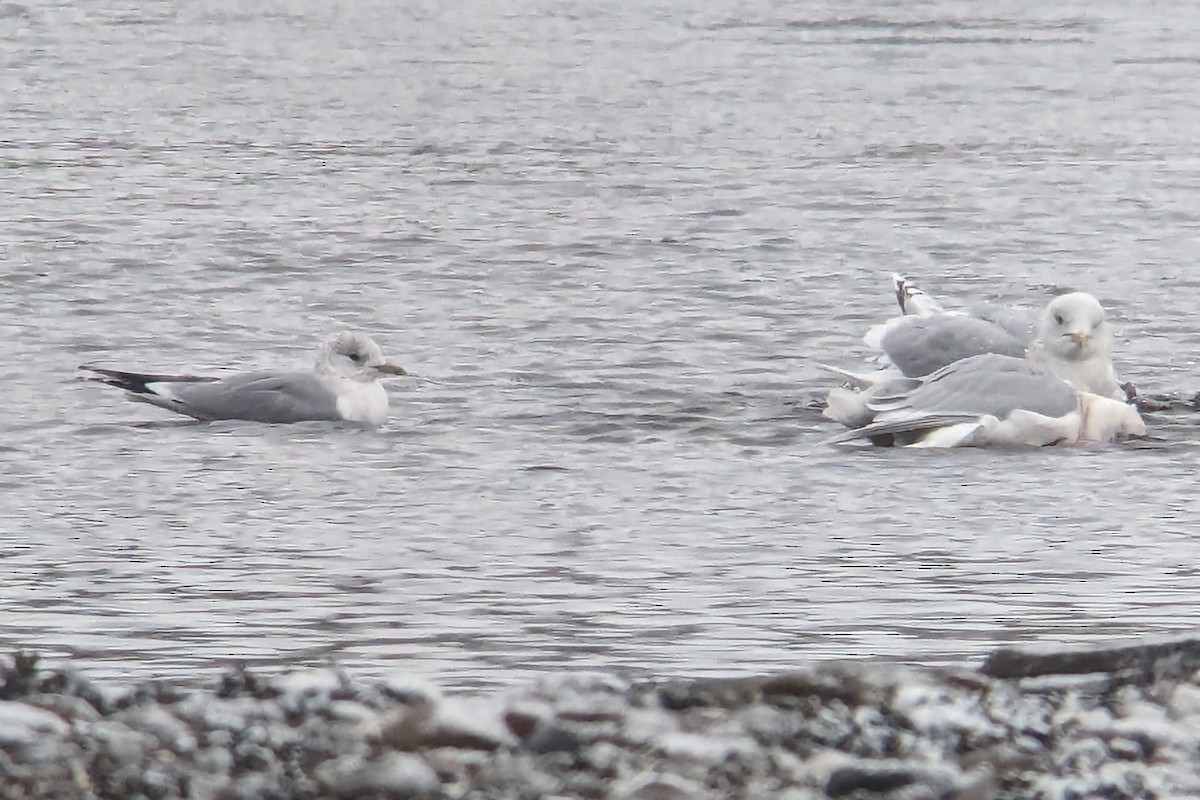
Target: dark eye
{"x":1058,"y":319}
{"x":355,"y":357}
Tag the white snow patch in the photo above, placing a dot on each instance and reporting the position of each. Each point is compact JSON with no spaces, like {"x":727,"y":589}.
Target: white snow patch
{"x":309,"y":684}
{"x":29,"y":733}
{"x":933,"y":709}
{"x":478,"y":716}
{"x":408,"y":687}
{"x":702,"y":749}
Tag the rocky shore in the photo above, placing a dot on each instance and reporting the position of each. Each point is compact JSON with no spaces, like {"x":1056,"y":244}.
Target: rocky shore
{"x":1113,"y":722}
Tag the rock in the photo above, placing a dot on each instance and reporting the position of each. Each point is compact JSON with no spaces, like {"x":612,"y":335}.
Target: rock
{"x":403,"y":688}
{"x":466,"y":724}
{"x":656,"y":786}
{"x":155,"y":720}
{"x":684,"y":695}
{"x":700,"y":748}
{"x":312,"y":687}
{"x":522,"y":719}
{"x":549,"y":737}
{"x":66,"y":707}
{"x":1185,"y":701}
{"x":1140,"y":661}
{"x":390,"y":775}
{"x":883,"y":776}
{"x":28,"y":733}
{"x":851,"y":732}
{"x":240,"y":682}
{"x":1129,"y":749}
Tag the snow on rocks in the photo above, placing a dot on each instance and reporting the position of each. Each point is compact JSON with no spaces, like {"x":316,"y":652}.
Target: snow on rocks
{"x":1115,"y":722}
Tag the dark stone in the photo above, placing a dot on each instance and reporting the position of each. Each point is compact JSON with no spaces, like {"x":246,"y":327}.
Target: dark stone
{"x":844,"y":682}
{"x":240,"y":682}
{"x":251,"y":757}
{"x":1132,"y":746}
{"x":869,"y":777}
{"x":550,"y":738}
{"x":521,"y":723}
{"x":1138,"y":662}
{"x":21,"y":678}
{"x":682,"y":695}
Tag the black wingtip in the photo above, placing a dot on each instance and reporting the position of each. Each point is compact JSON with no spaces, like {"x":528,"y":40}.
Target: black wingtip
{"x":137,"y":382}
{"x":129,"y":381}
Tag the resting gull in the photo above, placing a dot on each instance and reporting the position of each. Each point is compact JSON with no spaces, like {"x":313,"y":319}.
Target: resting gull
{"x":1075,"y":342}
{"x":343,"y":385}
{"x":1071,"y":336}
{"x":987,"y":399}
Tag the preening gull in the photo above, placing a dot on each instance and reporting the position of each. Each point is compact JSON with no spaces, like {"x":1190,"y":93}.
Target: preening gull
{"x":919,"y":345}
{"x":1071,"y":337}
{"x":343,"y":385}
{"x":914,"y":301}
{"x":926,"y":337}
{"x":987,"y":399}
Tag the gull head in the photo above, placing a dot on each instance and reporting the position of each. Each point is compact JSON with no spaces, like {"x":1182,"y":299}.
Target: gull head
{"x":1073,"y":328}
{"x":354,"y":356}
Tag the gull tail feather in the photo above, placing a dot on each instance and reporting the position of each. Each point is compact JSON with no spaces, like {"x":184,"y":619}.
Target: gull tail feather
{"x":912,"y":299}
{"x":908,"y":425}
{"x":860,"y":380}
{"x":138,"y":383}
{"x":847,"y":407}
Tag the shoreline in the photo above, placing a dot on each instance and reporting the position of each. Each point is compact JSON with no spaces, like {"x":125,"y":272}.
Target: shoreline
{"x":1116,"y":721}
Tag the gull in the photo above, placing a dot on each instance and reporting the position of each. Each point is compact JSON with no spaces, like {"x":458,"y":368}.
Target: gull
{"x":918,"y":345}
{"x":1075,"y":342}
{"x":987,"y":399}
{"x":1071,"y":337}
{"x":926,"y":337}
{"x":343,"y":385}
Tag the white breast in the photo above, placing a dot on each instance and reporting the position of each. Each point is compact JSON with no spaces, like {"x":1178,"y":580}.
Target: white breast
{"x":366,"y":403}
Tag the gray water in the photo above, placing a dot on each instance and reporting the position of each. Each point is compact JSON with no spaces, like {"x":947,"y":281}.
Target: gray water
{"x":612,"y":240}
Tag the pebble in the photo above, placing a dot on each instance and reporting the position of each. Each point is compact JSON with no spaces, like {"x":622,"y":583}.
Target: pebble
{"x":29,"y":733}
{"x":392,"y":775}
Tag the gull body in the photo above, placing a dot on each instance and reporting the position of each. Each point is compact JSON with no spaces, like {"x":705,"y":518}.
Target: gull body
{"x":1070,"y":336}
{"x":988,"y":399}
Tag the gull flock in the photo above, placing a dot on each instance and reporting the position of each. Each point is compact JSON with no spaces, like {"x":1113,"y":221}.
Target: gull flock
{"x":977,"y":377}
{"x":986,"y":376}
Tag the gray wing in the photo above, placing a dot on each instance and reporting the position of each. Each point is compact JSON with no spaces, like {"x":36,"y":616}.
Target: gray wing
{"x":893,"y":431}
{"x":964,"y":392}
{"x":1020,"y":324}
{"x":920,"y":345}
{"x":257,"y":397}
{"x":993,"y":384}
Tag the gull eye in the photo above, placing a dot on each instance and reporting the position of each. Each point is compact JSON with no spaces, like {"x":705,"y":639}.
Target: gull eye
{"x":1058,"y":319}
{"x":356,"y":358}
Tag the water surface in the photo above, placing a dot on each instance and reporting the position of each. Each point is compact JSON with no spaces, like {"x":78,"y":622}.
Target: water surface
{"x":613,"y":241}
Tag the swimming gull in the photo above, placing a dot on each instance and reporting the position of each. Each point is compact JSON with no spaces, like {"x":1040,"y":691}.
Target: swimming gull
{"x":343,"y":385}
{"x":988,"y":399}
